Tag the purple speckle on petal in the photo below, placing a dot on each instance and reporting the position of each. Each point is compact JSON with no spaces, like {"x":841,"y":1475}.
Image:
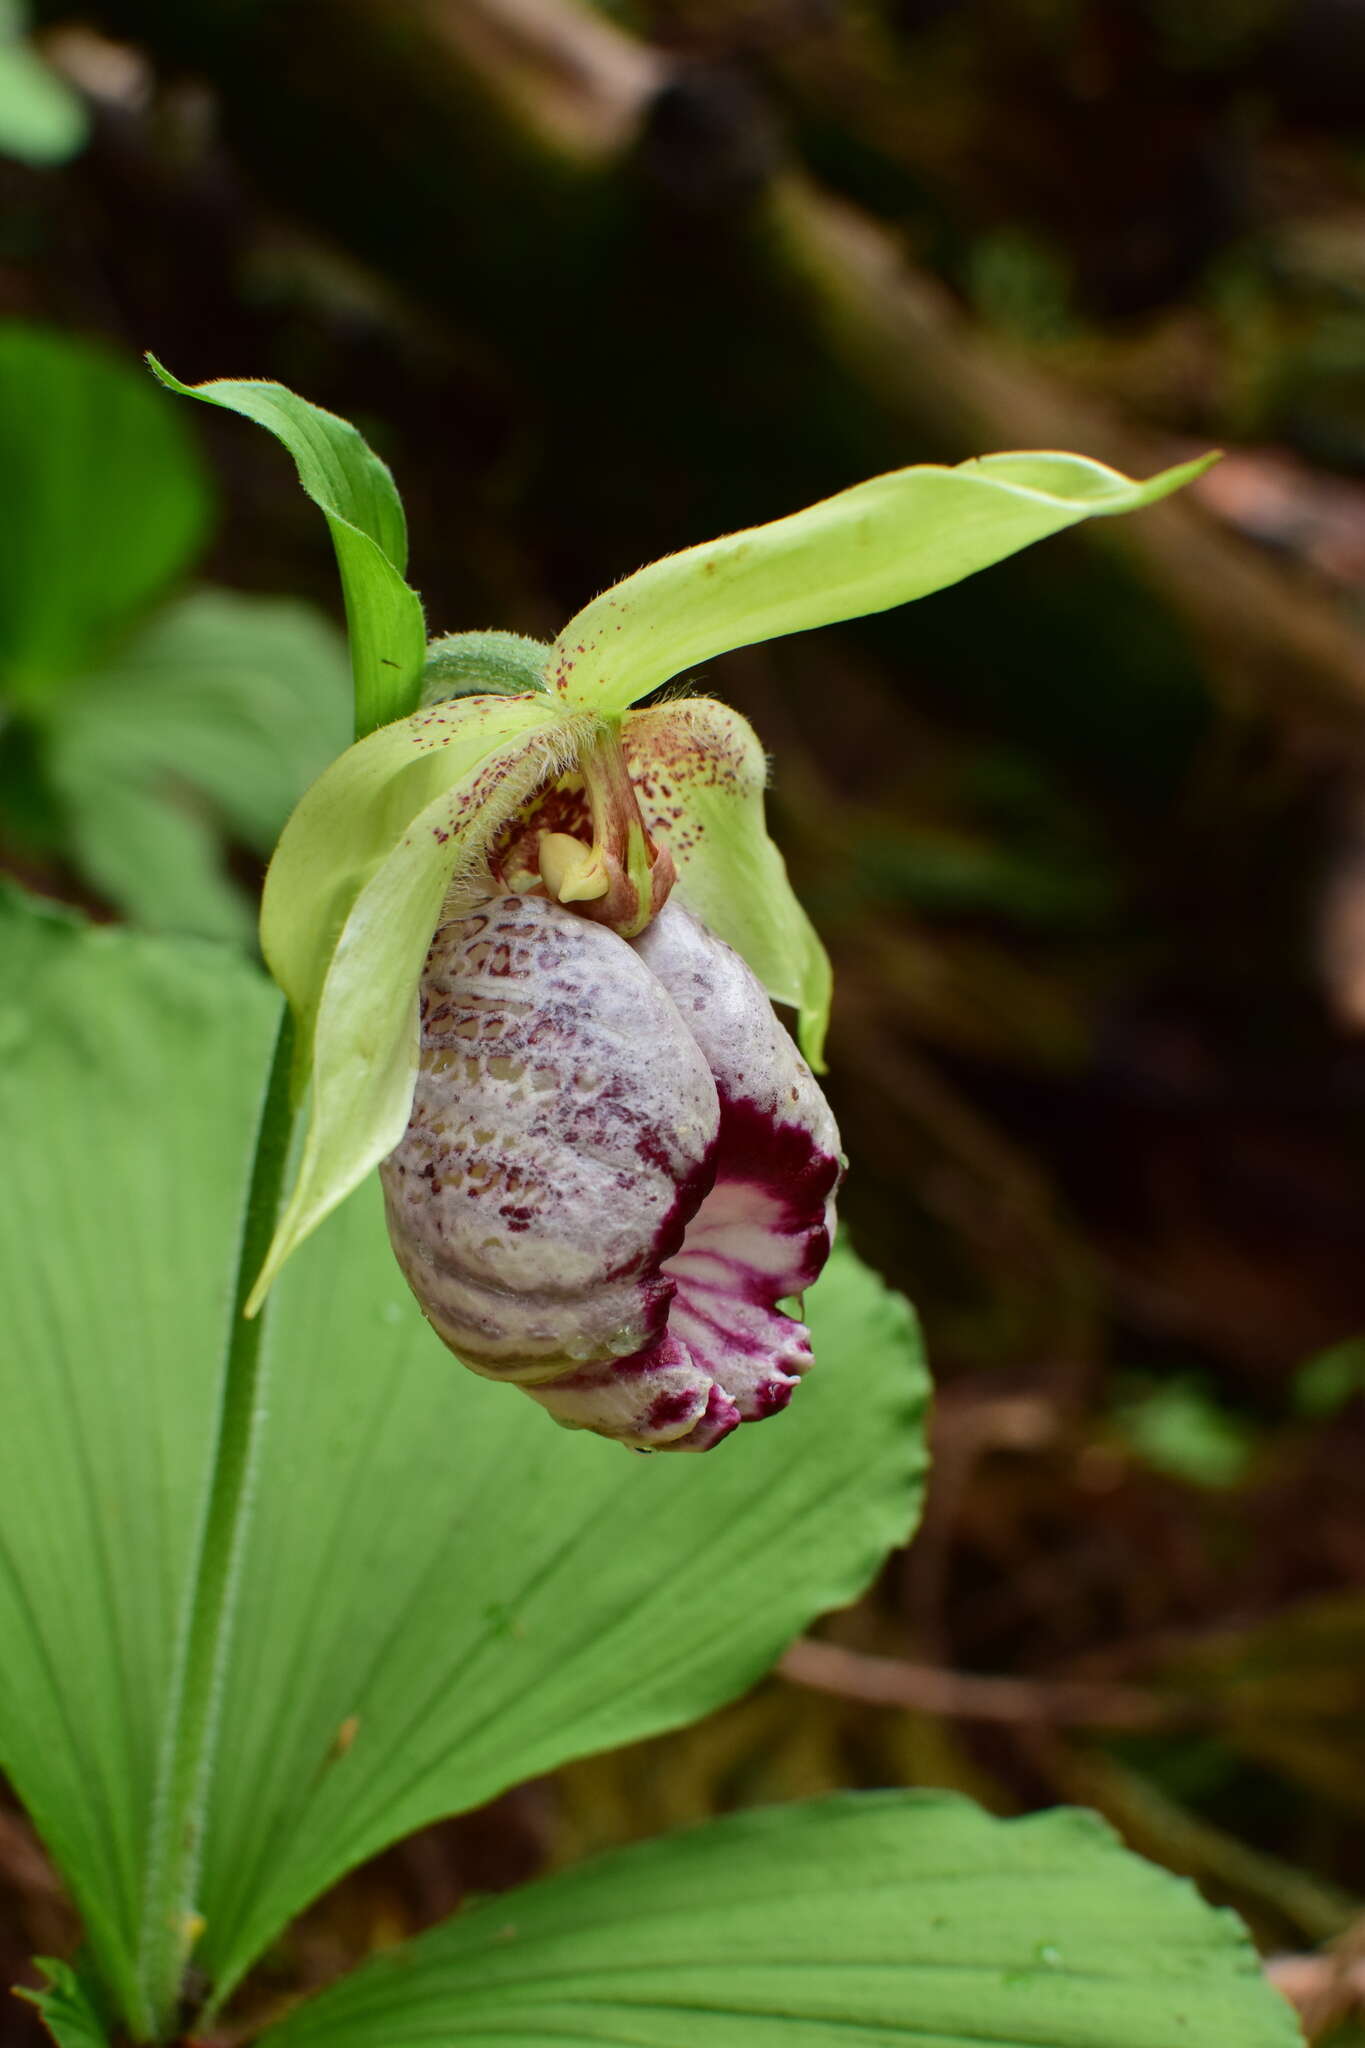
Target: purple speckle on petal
{"x":616,"y":1166}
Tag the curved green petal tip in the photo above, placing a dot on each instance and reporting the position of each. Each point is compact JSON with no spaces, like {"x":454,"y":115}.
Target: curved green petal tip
{"x":357,"y":496}
{"x":882,"y":543}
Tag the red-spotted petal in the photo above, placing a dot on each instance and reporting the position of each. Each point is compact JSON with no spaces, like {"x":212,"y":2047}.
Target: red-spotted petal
{"x":699,"y":774}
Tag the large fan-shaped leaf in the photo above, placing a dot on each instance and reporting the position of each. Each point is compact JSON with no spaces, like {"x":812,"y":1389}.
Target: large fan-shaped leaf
{"x":128,"y":1085}
{"x":102,"y":500}
{"x":214,"y":718}
{"x":910,"y":1920}
{"x":439,"y":1592}
{"x":472,"y":1596}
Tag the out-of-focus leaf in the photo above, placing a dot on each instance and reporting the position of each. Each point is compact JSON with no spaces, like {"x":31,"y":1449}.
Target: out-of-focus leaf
{"x":42,"y":121}
{"x":948,"y":874}
{"x":907,"y":1918}
{"x":214,"y":719}
{"x":359,"y":500}
{"x":102,"y":504}
{"x":439,"y":1592}
{"x":1326,"y":1383}
{"x":1289,"y":1692}
{"x":1176,"y":1426}
{"x":879,"y":544}
{"x":67,"y":2008}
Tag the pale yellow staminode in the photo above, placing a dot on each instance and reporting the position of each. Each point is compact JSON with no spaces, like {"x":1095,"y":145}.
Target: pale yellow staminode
{"x":572,"y":872}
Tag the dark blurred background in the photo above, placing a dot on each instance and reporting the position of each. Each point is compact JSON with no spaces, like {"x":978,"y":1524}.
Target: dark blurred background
{"x":1085,"y":835}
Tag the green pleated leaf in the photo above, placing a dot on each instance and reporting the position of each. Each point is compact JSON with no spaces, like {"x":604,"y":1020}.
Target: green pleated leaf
{"x":206,"y":727}
{"x":42,"y":121}
{"x":439,"y":1592}
{"x":911,"y":1920}
{"x":356,"y":493}
{"x":130,"y":1073}
{"x":351,"y":901}
{"x":458,"y":1595}
{"x":103,"y":505}
{"x":879,"y":544}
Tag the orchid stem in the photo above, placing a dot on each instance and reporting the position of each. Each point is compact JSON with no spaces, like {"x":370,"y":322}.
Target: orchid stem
{"x":170,"y":1920}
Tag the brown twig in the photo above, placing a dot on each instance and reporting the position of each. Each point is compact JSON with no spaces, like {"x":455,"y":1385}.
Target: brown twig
{"x":966,"y":1696}
{"x":1327,"y":1988}
{"x":1324,"y":1990}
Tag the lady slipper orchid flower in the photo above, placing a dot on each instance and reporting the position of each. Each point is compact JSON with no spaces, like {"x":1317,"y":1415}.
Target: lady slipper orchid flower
{"x":606,"y":1165}
{"x":616,"y":1167}
{"x":616,"y":1164}
{"x":518,"y":796}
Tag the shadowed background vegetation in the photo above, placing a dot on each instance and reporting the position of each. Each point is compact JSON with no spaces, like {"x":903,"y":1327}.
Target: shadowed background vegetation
{"x":1085,"y":836}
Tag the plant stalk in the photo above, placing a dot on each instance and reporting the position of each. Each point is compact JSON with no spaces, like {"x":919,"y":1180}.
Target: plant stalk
{"x":170,"y":1922}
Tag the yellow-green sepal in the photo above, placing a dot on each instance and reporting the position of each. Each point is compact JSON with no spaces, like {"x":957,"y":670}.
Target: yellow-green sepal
{"x":351,"y":900}
{"x":883,"y":542}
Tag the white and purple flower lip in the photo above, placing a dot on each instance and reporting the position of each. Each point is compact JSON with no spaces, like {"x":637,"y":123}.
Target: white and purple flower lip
{"x":616,"y":1167}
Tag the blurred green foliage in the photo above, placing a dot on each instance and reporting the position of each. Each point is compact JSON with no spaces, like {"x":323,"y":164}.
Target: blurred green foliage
{"x":42,"y":120}
{"x":1179,"y":1427}
{"x":146,"y":728}
{"x":1326,"y":1383}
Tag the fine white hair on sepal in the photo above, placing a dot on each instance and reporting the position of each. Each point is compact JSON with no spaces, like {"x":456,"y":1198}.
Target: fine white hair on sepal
{"x":550,"y":754}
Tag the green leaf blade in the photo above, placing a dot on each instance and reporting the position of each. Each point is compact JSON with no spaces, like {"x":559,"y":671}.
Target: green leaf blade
{"x":128,"y":1088}
{"x":357,"y":496}
{"x":105,"y":505}
{"x":597,"y":1597}
{"x":881,"y":543}
{"x":439,"y":1592}
{"x":909,"y":1919}
{"x":211,"y":721}
{"x":68,"y":2007}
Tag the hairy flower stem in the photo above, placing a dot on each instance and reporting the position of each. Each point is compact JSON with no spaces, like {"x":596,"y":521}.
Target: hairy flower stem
{"x":170,"y":1923}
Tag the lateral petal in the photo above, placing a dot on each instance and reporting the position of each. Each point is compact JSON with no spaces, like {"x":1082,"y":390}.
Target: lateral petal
{"x":699,"y":774}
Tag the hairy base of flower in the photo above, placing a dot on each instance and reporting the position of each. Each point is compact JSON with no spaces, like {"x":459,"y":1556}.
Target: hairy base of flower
{"x":616,"y":1167}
